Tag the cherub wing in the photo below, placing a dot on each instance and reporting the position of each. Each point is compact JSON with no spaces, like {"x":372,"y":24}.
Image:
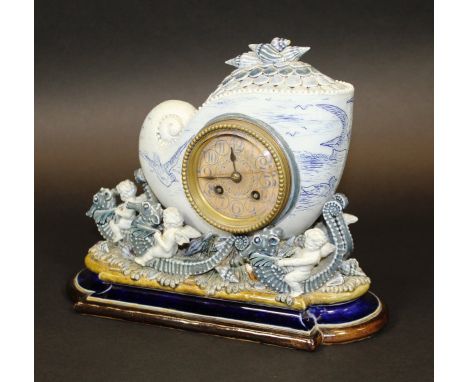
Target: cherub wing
{"x":350,"y":219}
{"x":184,"y":234}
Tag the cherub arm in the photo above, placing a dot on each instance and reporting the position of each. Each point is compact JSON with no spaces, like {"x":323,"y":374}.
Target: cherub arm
{"x":286,"y":261}
{"x":161,"y":242}
{"x":326,"y":249}
{"x":125,"y":212}
{"x":298,"y":262}
{"x":141,"y":198}
{"x":311,"y":259}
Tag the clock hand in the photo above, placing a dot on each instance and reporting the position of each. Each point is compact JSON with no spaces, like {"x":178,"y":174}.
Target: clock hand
{"x":211,"y":177}
{"x":233,"y":159}
{"x":235,"y":177}
{"x":215,"y":177}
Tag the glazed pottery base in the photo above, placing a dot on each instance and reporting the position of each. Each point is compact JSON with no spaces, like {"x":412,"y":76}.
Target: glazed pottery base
{"x":300,"y":329}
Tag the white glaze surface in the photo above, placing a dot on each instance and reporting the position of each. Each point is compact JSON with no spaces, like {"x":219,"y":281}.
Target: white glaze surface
{"x":313,"y":122}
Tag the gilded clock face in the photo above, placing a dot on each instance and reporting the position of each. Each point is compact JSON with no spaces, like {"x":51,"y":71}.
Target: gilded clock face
{"x":236,"y":176}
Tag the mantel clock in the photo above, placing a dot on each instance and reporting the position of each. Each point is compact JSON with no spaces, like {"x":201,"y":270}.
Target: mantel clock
{"x":233,"y":225}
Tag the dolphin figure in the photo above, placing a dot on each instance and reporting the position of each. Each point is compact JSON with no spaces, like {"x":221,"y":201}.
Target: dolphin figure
{"x":164,"y":171}
{"x":339,"y":143}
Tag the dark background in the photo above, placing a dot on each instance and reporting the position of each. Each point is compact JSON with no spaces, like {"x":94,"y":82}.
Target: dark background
{"x":102,"y":65}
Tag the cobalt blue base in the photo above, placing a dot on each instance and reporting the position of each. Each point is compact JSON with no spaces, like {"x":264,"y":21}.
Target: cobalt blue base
{"x":286,"y":319}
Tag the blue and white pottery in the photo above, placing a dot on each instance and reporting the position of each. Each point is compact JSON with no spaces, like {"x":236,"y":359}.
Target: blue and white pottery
{"x":309,"y":112}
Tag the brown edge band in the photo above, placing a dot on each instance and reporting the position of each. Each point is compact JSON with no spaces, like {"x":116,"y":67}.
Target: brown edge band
{"x":357,"y":332}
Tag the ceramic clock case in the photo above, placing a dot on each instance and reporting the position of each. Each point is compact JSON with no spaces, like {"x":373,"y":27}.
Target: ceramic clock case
{"x":302,"y":119}
{"x":312,"y":128}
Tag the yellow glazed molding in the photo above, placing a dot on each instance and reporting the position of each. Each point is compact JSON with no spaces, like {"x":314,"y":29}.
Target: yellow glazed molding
{"x":113,"y":274}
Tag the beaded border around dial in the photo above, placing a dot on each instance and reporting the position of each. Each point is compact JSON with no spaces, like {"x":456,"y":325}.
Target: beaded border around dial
{"x":216,"y":219}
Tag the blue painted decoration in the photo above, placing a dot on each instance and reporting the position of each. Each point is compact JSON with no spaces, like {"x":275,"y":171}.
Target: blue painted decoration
{"x":164,"y":171}
{"x":339,"y":143}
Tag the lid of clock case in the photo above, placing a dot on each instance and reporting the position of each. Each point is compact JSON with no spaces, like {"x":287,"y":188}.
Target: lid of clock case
{"x":276,"y":67}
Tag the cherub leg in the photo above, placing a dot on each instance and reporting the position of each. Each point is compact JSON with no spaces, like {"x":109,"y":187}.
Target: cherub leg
{"x":294,"y":279}
{"x":142,"y":260}
{"x":116,"y":231}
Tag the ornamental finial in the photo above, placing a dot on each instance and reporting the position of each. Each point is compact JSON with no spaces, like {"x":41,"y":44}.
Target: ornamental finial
{"x":279,"y":50}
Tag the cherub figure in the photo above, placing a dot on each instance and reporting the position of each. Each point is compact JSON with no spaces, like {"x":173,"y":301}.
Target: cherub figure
{"x":123,"y":214}
{"x":303,"y":260}
{"x":166,"y":244}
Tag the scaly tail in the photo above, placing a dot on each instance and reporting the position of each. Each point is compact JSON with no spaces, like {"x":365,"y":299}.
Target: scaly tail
{"x":189,"y":267}
{"x":268,"y":273}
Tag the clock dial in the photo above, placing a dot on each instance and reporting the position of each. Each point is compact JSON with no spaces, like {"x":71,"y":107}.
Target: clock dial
{"x":236,"y":176}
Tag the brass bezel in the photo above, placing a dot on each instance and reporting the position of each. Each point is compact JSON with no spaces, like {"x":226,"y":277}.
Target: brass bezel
{"x":192,"y":189}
